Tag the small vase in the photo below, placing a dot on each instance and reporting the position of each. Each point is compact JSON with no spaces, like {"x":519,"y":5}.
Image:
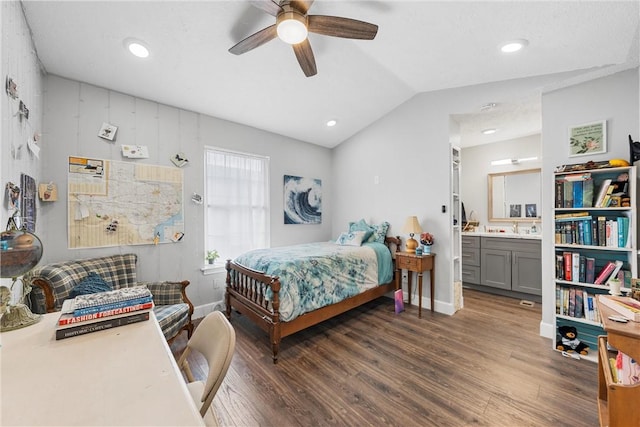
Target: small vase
{"x":426,"y":249}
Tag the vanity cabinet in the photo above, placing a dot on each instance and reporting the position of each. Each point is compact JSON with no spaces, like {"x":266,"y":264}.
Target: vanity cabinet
{"x":512,"y":265}
{"x":470,"y":259}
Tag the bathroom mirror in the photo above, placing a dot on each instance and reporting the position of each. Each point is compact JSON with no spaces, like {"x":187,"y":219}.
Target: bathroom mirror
{"x":514,"y":196}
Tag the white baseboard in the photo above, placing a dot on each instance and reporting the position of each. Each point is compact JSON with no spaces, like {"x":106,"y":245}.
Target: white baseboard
{"x":202,"y":310}
{"x":547,"y":330}
{"x":439,"y":306}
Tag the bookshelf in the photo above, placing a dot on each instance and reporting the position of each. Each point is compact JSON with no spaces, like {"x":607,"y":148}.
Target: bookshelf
{"x":595,"y":239}
{"x":617,"y":403}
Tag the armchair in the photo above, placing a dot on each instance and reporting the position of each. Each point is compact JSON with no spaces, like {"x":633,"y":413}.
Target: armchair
{"x":52,"y":284}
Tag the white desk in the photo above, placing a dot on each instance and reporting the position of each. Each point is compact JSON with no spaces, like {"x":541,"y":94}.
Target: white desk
{"x":122,"y":376}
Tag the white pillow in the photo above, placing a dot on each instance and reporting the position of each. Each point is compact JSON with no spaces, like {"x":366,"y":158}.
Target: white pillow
{"x":351,"y":238}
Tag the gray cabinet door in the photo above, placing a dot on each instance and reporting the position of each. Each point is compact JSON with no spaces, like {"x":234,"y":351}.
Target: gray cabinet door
{"x":496,"y":268}
{"x":527,"y":273}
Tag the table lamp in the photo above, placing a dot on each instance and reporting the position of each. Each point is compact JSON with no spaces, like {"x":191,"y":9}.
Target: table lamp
{"x":412,"y":227}
{"x":20,"y":251}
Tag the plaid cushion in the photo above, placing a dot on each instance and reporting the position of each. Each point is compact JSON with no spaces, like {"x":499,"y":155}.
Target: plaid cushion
{"x":117,"y":270}
{"x":165,"y":293}
{"x":172,"y":318}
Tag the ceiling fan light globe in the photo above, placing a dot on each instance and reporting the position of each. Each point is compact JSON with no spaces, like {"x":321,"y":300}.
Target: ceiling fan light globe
{"x":292,"y":31}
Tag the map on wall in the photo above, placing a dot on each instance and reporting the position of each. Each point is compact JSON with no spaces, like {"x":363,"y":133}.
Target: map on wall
{"x":115,"y":203}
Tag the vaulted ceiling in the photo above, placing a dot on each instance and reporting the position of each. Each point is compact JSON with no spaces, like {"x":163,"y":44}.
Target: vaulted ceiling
{"x":420,"y":46}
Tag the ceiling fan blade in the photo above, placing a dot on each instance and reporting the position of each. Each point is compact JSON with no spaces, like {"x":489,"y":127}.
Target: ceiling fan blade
{"x":305,"y":58}
{"x":301,"y":5}
{"x":336,"y":26}
{"x":269,"y":6}
{"x":255,"y":40}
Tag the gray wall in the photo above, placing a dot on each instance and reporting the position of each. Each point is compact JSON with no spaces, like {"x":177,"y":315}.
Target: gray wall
{"x":19,"y":61}
{"x":612,"y":98}
{"x":408,"y":150}
{"x":73,"y":114}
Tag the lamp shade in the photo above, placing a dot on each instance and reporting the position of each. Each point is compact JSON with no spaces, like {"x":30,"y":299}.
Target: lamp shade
{"x":412,"y":226}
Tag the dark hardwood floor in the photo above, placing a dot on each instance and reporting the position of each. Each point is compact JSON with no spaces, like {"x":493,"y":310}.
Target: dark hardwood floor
{"x":486,"y":365}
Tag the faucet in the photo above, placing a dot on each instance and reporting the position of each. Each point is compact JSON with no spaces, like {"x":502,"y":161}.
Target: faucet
{"x":515,"y":227}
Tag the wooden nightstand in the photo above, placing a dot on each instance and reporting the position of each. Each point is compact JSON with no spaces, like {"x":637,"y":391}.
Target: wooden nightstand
{"x":416,"y":264}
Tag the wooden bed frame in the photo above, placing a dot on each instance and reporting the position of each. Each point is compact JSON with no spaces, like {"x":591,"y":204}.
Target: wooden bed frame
{"x":246,"y":293}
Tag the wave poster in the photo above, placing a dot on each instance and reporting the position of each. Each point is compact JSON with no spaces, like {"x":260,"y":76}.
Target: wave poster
{"x":302,"y":200}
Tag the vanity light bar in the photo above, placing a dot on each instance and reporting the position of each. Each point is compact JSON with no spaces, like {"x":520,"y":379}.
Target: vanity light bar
{"x":512,"y":161}
{"x":502,"y":162}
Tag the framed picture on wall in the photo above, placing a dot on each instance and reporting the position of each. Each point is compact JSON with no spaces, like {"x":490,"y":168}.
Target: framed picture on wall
{"x":515,"y":211}
{"x":588,"y":139}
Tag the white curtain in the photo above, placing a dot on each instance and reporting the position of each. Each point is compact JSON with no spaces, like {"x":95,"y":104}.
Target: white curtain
{"x":237,"y":200}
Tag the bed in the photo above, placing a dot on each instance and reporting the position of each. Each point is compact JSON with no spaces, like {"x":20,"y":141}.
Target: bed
{"x":285,"y":290}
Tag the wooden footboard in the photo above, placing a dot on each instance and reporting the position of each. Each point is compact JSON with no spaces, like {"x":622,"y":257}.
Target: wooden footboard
{"x":246,"y":292}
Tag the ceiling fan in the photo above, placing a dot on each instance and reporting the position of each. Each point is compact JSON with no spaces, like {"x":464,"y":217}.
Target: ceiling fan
{"x":293,"y":24}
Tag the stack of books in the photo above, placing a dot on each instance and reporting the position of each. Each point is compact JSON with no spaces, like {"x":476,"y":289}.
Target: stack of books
{"x":626,"y":306}
{"x":103,"y":310}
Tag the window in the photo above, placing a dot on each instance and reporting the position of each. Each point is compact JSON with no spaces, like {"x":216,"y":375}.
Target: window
{"x":237,"y":202}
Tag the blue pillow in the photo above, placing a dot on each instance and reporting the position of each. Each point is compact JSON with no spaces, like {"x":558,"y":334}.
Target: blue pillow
{"x":379,"y":232}
{"x":91,"y":284}
{"x":361,"y":226}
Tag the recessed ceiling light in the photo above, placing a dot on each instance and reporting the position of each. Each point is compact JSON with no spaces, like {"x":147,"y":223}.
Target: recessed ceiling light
{"x":488,"y":106}
{"x":514,"y":46}
{"x":489,"y":131}
{"x":332,"y":123}
{"x":137,"y":48}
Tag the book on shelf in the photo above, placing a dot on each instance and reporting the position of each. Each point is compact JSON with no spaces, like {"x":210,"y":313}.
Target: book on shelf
{"x":69,"y":306}
{"x":590,"y":266}
{"x":579,"y":304}
{"x":572,"y":302}
{"x":577,"y":194}
{"x":582,"y":271}
{"x":623,"y":232}
{"x":602,"y":231}
{"x":571,"y":215}
{"x":108,"y":297}
{"x":575,"y":266}
{"x":559,"y":267}
{"x":567,"y":265}
{"x":586,"y":311}
{"x":587,"y":193}
{"x":68,"y":319}
{"x":568,"y":194}
{"x":602,"y":192}
{"x":101,"y":325}
{"x":614,"y":273}
{"x":626,"y":306}
{"x":606,"y":271}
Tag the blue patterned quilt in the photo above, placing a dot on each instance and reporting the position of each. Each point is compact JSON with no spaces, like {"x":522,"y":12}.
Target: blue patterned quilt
{"x":314,"y":275}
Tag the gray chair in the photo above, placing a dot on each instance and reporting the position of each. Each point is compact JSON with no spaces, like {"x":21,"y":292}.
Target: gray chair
{"x":215,"y":339}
